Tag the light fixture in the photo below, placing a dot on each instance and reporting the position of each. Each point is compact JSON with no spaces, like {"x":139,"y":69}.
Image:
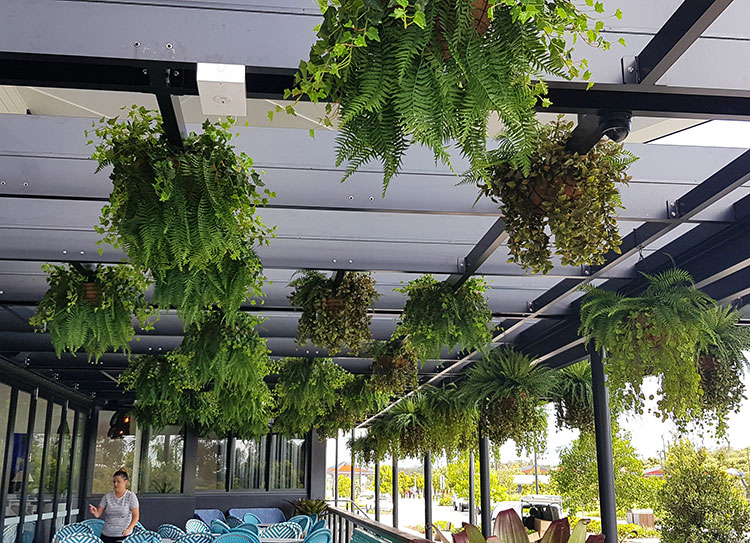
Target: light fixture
{"x":221,"y":88}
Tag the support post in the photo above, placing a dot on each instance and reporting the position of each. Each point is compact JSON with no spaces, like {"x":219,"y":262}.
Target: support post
{"x":377,"y":491}
{"x":336,"y":472}
{"x":484,"y":481}
{"x":604,"y":461}
{"x":351,"y":471}
{"x":428,"y":496}
{"x":394,"y":490}
{"x":472,"y":492}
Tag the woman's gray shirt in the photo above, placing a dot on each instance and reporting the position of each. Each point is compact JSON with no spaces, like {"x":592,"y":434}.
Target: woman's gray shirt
{"x":117,"y":512}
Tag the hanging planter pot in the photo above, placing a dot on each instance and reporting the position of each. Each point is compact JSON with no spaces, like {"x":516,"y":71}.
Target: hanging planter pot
{"x":395,"y":366}
{"x":92,"y":293}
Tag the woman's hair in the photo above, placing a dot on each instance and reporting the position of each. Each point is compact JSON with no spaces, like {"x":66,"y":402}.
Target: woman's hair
{"x":122,"y":472}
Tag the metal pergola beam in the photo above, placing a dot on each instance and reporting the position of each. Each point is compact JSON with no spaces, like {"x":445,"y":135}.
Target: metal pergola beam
{"x":492,"y":239}
{"x":683,"y":28}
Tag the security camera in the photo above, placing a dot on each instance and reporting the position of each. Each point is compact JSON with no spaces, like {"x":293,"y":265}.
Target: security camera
{"x":616,"y":126}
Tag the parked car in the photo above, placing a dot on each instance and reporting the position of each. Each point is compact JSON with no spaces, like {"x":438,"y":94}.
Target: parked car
{"x":386,"y":503}
{"x":534,"y":506}
{"x":460,"y":503}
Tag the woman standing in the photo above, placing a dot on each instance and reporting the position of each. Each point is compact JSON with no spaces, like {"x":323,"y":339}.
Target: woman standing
{"x":119,"y":509}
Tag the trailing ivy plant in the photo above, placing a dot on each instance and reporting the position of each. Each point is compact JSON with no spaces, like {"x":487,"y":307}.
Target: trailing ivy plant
{"x":510,"y":393}
{"x":357,"y":399}
{"x":658,"y":333}
{"x":182,"y":210}
{"x":395,"y":366}
{"x":436,"y":315}
{"x":169,"y":389}
{"x":92,"y":309}
{"x":305,"y":390}
{"x":334,"y":317}
{"x":574,"y":397}
{"x":721,"y":366}
{"x":410,"y":71}
{"x":567,"y":196}
{"x":231,"y":359}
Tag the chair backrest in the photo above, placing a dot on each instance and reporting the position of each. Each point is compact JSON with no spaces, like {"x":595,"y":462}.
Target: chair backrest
{"x":303,"y":521}
{"x":81,"y":537}
{"x":323,"y":535}
{"x":249,"y":533}
{"x":67,"y":530}
{"x":196,"y":537}
{"x":266,"y":515}
{"x":314,"y":518}
{"x":282,"y":530}
{"x":251,"y":518}
{"x":234,"y":538}
{"x":317,"y":526}
{"x":233,"y":521}
{"x":170,"y":531}
{"x":250,"y":527}
{"x":144,"y":536}
{"x":139,"y":527}
{"x":9,"y":534}
{"x":207,"y":515}
{"x":197,"y":526}
{"x":219,"y":527}
{"x":96,"y":525}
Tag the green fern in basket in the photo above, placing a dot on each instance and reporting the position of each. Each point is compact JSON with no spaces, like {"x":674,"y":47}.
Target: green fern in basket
{"x":433,"y":72}
{"x":306,"y":389}
{"x":92,"y":309}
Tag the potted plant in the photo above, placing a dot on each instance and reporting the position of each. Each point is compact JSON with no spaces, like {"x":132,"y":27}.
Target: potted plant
{"x":357,"y":399}
{"x":395,"y":366}
{"x":305,"y":389}
{"x":567,"y":196}
{"x":452,"y":421}
{"x":670,"y":331}
{"x":409,"y":71}
{"x":169,"y":389}
{"x":722,"y":364}
{"x":92,"y":308}
{"x":232,"y":359}
{"x":436,"y":315}
{"x":334,"y":317}
{"x":574,"y":398}
{"x":510,"y":392}
{"x":180,"y":209}
{"x":307,"y":507}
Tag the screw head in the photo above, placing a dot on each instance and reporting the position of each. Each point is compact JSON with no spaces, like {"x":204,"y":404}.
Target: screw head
{"x":145,"y":71}
{"x":350,"y":261}
{"x":372,"y":198}
{"x":334,"y":260}
{"x":176,"y":72}
{"x":630,"y":69}
{"x":136,"y":44}
{"x":351,"y":197}
{"x":2,"y":182}
{"x":83,"y":252}
{"x":65,"y":252}
{"x":169,"y":46}
{"x":25,"y":183}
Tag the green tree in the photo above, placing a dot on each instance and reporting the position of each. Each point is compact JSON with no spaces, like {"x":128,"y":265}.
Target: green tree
{"x":386,"y":479}
{"x":577,"y":479}
{"x":701,"y":503}
{"x":457,"y":480}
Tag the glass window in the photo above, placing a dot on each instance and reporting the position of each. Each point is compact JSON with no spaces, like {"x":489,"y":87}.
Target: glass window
{"x":287,"y":462}
{"x":111,"y":454}
{"x":4,"y":407}
{"x":161,"y":466}
{"x":75,"y":464}
{"x":36,"y":448}
{"x":249,"y":464}
{"x":211,"y":464}
{"x":18,"y":456}
{"x":65,"y":431}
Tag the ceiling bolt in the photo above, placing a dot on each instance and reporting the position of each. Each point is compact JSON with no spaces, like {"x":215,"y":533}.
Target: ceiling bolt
{"x":334,"y":260}
{"x":150,"y":348}
{"x":351,"y":197}
{"x":350,"y":262}
{"x":145,"y":71}
{"x":2,"y":182}
{"x":83,"y":252}
{"x":136,"y":44}
{"x":176,"y":73}
{"x":372,"y":198}
{"x":2,"y":292}
{"x":25,"y":183}
{"x":65,"y":252}
{"x":169,"y":46}
{"x":630,"y":69}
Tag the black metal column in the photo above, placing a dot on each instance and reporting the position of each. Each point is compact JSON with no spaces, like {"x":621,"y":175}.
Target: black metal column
{"x":604,"y":462}
{"x":394,"y":490}
{"x":472,"y":491}
{"x":428,"y":496}
{"x":484,"y":481}
{"x":351,"y":471}
{"x":336,"y":471}
{"x":377,"y":491}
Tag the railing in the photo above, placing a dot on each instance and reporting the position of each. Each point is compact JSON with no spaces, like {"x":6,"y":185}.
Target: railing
{"x":342,"y":524}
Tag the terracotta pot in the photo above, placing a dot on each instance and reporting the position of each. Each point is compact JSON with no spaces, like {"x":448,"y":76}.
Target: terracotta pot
{"x":333,"y":306}
{"x":480,"y":11}
{"x":92,"y":292}
{"x":545,"y":192}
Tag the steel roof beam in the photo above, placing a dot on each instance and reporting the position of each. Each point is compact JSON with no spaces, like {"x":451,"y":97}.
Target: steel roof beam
{"x":683,"y":28}
{"x":492,"y":239}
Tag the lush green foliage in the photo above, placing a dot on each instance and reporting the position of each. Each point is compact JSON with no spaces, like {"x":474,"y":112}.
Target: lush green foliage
{"x":395,"y":366}
{"x":566,"y":196}
{"x":701,"y":502}
{"x":306,"y":389}
{"x":436,"y":316}
{"x":577,"y":480}
{"x":410,"y":71}
{"x":574,"y":397}
{"x":92,"y":309}
{"x":624,"y":531}
{"x":334,"y":317}
{"x":182,"y":210}
{"x":171,"y":390}
{"x":310,"y":507}
{"x":510,"y":393}
{"x":663,"y":332}
{"x":357,"y":399}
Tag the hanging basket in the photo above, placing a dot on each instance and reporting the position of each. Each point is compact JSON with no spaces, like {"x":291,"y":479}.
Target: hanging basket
{"x":333,"y":306}
{"x":92,"y":293}
{"x":543,"y":191}
{"x":480,"y":10}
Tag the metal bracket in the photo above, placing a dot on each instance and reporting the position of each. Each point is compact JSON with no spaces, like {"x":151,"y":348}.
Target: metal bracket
{"x":460,"y":265}
{"x":530,"y":306}
{"x":673,"y":209}
{"x":586,"y":270}
{"x":630,"y":72}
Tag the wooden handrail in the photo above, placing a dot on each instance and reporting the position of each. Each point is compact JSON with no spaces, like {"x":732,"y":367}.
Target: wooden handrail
{"x":377,"y":528}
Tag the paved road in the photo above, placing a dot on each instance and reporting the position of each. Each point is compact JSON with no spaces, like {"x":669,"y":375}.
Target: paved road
{"x":411,"y":513}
